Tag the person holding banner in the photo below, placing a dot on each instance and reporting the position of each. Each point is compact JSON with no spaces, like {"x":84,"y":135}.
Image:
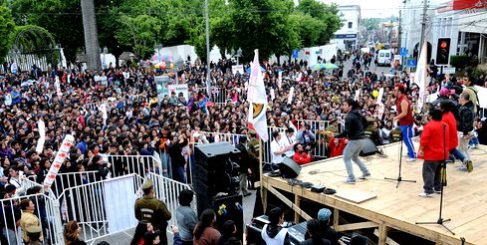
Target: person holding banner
{"x":405,"y":119}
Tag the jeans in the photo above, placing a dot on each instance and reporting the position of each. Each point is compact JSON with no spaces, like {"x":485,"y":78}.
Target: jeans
{"x":458,"y":155}
{"x":431,"y":176}
{"x":351,"y":153}
{"x":243,"y":183}
{"x":407,"y":135}
{"x":463,"y":143}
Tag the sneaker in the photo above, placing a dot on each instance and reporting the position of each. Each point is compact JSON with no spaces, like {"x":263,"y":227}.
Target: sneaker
{"x":365,"y":176}
{"x":469,"y":165}
{"x":350,"y":181}
{"x":424,"y":194}
{"x":437,"y":192}
{"x":462,"y":168}
{"x":409,"y":159}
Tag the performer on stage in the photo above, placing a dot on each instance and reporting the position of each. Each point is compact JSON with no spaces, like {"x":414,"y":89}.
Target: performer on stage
{"x":432,"y":149}
{"x":354,"y":130}
{"x":405,"y":119}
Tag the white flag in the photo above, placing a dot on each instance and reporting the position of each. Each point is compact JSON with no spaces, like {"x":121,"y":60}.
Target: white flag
{"x":257,"y":98}
{"x":42,"y":136}
{"x":421,"y":76}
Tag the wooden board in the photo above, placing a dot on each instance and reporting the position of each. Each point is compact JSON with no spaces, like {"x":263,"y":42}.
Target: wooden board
{"x":355,"y":196}
{"x":465,"y":197}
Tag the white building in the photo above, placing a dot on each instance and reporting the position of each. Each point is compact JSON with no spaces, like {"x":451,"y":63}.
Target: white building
{"x":465,"y":26}
{"x":347,"y":37}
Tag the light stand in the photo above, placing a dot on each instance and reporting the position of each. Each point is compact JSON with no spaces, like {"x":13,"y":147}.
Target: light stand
{"x":399,"y":178}
{"x":440,"y":220}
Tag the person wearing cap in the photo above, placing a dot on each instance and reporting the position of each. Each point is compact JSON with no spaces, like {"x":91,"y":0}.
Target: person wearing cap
{"x":405,"y":119}
{"x":326,"y":231}
{"x":28,"y":219}
{"x":432,"y":149}
{"x":34,"y":233}
{"x":148,"y":209}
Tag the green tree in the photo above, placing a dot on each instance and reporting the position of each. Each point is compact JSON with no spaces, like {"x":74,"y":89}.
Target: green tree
{"x":140,"y":33}
{"x":61,"y":18}
{"x":328,"y":14}
{"x":7,"y":26}
{"x":308,"y":28}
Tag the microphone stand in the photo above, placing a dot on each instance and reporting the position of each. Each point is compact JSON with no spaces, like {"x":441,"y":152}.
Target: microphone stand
{"x":399,"y":178}
{"x":440,"y":220}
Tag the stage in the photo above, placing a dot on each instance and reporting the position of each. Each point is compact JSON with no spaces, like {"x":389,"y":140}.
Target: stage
{"x":465,"y":197}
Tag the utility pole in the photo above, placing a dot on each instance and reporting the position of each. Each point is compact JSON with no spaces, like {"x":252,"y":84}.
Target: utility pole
{"x":399,"y":30}
{"x":423,"y":27}
{"x":208,"y":69}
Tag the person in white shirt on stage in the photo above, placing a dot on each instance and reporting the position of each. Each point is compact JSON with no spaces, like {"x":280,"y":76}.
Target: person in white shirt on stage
{"x":278,"y":150}
{"x":289,"y":140}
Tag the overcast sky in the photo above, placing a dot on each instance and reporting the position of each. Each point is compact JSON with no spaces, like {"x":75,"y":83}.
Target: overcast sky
{"x":373,"y":8}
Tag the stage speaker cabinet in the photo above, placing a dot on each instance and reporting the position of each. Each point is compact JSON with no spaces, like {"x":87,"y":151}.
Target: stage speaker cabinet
{"x":369,"y":148}
{"x":229,"y":208}
{"x":289,"y":168}
{"x":210,"y":172}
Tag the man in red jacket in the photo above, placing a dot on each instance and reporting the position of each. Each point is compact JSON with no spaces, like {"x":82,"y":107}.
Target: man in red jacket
{"x":301,"y":155}
{"x":432,"y":149}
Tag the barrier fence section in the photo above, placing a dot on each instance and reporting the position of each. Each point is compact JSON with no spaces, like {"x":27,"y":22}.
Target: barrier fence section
{"x":102,"y":208}
{"x":223,"y":95}
{"x":46,"y":209}
{"x":133,"y":164}
{"x":167,"y":190}
{"x":318,"y":127}
{"x":67,"y":180}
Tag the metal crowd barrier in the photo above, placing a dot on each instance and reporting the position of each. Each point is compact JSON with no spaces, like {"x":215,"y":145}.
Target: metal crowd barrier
{"x":222,"y":95}
{"x":167,"y":190}
{"x":46,"y":210}
{"x":67,"y":180}
{"x":133,"y":164}
{"x":318,"y":128}
{"x":88,"y":205}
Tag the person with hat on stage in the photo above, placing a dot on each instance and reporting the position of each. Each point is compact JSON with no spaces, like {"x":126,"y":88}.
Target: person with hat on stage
{"x":148,"y":209}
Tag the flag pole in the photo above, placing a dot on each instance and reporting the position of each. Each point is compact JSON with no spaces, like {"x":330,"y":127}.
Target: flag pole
{"x":263,"y":193}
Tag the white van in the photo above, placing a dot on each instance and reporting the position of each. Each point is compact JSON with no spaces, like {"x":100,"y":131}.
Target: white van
{"x":384,"y":57}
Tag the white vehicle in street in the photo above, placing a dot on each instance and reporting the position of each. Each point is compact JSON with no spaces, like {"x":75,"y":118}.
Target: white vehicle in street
{"x":384,"y":57}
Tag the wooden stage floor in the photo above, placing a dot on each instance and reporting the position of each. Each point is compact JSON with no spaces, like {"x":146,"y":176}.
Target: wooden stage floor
{"x":465,"y":197}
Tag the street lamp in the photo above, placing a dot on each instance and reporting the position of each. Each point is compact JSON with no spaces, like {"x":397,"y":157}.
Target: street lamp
{"x":239,"y":54}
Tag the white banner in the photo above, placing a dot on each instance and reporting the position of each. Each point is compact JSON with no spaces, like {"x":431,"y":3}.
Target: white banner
{"x":357,"y":94}
{"x":279,"y":79}
{"x":57,"y":83}
{"x":421,"y":77}
{"x":290,"y":96}
{"x":179,"y":88}
{"x":42,"y":136}
{"x":237,"y":68}
{"x":119,"y":194}
{"x":61,"y":155}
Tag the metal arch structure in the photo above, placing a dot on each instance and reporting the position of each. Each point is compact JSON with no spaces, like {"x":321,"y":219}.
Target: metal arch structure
{"x":33,"y":45}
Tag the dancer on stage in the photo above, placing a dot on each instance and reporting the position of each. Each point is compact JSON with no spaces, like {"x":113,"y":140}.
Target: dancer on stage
{"x":405,"y":119}
{"x":432,"y":149}
{"x":354,"y":130}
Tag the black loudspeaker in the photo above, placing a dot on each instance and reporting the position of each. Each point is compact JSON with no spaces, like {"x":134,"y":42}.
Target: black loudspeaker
{"x":229,"y":208}
{"x":212,"y":172}
{"x":369,"y":148}
{"x":289,"y":168}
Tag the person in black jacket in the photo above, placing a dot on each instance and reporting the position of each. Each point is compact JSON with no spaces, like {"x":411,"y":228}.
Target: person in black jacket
{"x":465,"y":123}
{"x":243,"y":162}
{"x":354,"y":131}
{"x":314,"y":231}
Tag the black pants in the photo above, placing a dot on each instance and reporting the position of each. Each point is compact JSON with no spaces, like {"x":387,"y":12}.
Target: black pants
{"x":140,"y":231}
{"x":431,"y":176}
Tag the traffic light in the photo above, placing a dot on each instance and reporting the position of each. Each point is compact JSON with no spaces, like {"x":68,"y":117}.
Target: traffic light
{"x":443,"y":51}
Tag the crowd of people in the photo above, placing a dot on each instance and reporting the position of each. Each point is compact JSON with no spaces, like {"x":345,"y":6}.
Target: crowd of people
{"x":117,"y":112}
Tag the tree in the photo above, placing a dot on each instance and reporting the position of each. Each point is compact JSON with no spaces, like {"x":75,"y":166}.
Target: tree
{"x":308,"y":28}
{"x":61,"y":18}
{"x":328,"y":14}
{"x":140,"y":33}
{"x":7,"y":26}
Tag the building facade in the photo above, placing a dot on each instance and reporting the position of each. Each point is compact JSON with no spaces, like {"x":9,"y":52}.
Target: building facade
{"x":346,"y":38}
